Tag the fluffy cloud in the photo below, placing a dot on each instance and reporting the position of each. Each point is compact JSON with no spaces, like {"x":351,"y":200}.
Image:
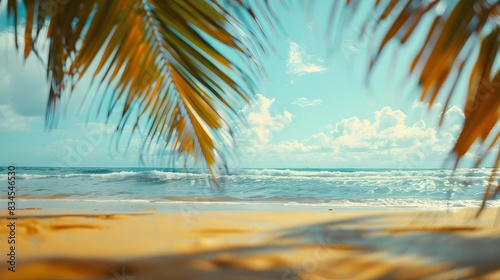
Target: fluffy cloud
{"x":386,"y":138}
{"x":318,"y":139}
{"x":453,"y":119}
{"x":389,"y":135}
{"x":23,"y":90}
{"x":305,"y":102}
{"x":298,"y":62}
{"x":260,"y":121}
{"x":12,"y":121}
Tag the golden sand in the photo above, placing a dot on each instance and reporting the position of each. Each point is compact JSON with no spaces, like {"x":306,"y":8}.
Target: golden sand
{"x":253,"y":245}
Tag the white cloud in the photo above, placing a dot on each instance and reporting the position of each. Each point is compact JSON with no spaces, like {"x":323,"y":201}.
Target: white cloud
{"x":386,"y":138}
{"x":386,"y":117}
{"x":23,"y":83}
{"x":390,"y":136}
{"x":305,"y":102}
{"x":453,"y":119}
{"x":298,"y":62}
{"x":260,"y":121}
{"x":12,"y":121}
{"x":318,"y":139}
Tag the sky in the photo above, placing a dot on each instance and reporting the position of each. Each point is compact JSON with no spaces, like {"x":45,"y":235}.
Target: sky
{"x":315,"y":109}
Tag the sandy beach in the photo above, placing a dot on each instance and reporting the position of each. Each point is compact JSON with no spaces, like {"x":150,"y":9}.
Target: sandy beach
{"x":245,"y":140}
{"x":254,"y":245}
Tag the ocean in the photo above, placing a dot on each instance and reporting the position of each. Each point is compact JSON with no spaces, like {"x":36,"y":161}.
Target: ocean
{"x":172,"y":189}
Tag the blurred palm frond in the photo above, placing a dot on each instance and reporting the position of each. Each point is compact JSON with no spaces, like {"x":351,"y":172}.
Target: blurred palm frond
{"x":458,"y":29}
{"x":163,"y":59}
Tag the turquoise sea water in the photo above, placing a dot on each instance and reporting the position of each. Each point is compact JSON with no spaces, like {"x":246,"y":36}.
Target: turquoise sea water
{"x":329,"y":188}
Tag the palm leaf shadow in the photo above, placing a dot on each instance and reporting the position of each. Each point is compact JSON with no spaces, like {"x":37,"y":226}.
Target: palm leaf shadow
{"x":356,"y":247}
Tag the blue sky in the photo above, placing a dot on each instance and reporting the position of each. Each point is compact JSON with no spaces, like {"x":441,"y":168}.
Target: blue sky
{"x":315,"y":109}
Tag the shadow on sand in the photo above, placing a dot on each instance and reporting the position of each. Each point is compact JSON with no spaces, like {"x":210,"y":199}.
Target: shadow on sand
{"x":368,"y":247}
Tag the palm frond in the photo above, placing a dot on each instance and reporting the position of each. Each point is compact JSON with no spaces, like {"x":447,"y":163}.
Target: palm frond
{"x":451,"y":39}
{"x":163,"y":58}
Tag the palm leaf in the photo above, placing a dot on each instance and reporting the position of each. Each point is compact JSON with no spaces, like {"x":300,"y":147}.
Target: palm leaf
{"x":162,"y":58}
{"x":450,"y":40}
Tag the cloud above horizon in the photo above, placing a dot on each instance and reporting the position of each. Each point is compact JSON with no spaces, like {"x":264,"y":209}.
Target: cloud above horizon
{"x":261,"y":123}
{"x":389,"y":135}
{"x":305,"y":102}
{"x":12,"y":121}
{"x":24,"y":88}
{"x":298,"y":62}
{"x":386,"y":138}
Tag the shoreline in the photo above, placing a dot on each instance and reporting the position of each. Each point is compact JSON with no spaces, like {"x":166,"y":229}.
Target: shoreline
{"x":133,"y":206}
{"x":69,"y":244}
